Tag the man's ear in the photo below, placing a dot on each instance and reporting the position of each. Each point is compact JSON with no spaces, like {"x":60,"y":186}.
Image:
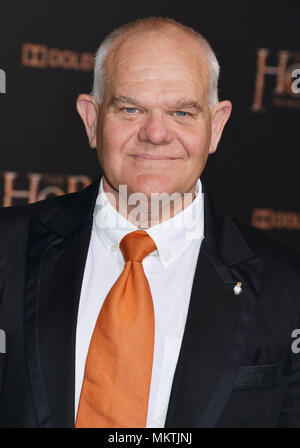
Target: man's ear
{"x":88,"y":109}
{"x":220,"y":115}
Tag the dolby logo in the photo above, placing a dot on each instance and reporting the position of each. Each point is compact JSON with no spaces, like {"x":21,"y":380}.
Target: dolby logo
{"x":41,"y":56}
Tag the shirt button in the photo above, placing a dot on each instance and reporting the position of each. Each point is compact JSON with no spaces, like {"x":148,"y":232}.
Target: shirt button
{"x":167,"y":256}
{"x":114,"y":248}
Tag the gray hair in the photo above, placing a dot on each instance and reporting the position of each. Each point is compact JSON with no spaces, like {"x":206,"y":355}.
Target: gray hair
{"x":151,"y":23}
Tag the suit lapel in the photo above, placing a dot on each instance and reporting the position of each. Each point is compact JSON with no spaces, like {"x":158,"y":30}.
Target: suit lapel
{"x":57,"y":250}
{"x":218,"y":325}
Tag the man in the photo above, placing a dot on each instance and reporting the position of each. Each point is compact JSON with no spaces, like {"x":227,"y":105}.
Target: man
{"x":122,"y":308}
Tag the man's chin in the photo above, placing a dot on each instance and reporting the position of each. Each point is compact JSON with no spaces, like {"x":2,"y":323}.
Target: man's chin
{"x":150,"y":191}
{"x":152,"y":184}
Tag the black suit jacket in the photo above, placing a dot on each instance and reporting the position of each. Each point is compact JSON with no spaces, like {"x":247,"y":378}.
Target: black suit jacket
{"x":235,"y":367}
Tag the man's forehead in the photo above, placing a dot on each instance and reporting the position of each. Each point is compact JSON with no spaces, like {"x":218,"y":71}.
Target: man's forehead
{"x":156,"y":90}
{"x":148,"y":46}
{"x":158,"y":61}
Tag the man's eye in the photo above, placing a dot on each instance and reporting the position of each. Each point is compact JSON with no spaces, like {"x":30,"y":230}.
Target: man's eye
{"x":180,"y":113}
{"x":130,"y":110}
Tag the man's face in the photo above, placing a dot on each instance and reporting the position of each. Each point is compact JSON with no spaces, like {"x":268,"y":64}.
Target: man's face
{"x":154,"y":128}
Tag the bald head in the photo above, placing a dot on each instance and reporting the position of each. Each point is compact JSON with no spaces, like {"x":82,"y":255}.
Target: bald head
{"x":147,"y":38}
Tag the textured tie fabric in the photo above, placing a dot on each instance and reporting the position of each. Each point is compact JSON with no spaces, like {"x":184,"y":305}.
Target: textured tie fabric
{"x":118,"y":368}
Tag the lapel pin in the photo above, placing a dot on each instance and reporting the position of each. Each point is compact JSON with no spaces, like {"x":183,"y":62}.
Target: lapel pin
{"x":237,"y":289}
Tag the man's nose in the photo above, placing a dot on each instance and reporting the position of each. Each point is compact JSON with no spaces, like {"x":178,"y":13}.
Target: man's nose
{"x":155,"y":129}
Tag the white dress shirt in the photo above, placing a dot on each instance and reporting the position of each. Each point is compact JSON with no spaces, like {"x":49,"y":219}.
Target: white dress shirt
{"x":170,"y":272}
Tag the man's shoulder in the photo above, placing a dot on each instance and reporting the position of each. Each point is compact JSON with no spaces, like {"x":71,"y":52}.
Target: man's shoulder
{"x":16,"y":215}
{"x":14,"y":220}
{"x":275,"y":251}
{"x":47,"y":208}
{"x":59,"y":211}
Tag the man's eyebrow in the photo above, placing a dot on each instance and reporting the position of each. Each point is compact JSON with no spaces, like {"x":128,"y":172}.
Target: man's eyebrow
{"x":181,"y":104}
{"x":122,"y":99}
{"x":187,"y":104}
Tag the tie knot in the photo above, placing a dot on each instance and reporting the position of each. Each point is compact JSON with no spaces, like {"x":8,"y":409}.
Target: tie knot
{"x":136,"y":245}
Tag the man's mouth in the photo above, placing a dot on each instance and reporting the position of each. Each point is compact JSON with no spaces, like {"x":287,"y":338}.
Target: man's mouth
{"x":153,"y":157}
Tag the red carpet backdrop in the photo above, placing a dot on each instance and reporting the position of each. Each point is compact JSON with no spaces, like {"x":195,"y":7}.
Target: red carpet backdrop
{"x":46,"y":60}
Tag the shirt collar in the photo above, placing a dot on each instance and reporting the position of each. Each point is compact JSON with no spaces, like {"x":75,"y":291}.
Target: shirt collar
{"x":172,"y":237}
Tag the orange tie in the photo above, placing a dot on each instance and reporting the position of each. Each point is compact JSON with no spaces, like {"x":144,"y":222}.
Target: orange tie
{"x":118,"y":368}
